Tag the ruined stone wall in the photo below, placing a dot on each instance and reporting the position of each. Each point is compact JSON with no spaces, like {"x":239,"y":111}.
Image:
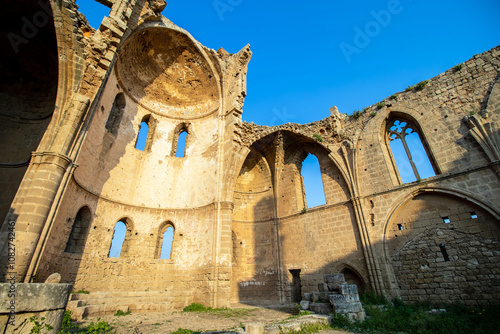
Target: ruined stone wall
{"x":444,"y":262}
{"x":451,"y":112}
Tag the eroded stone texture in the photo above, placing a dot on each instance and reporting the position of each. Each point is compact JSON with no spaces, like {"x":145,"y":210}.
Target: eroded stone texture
{"x":235,"y":196}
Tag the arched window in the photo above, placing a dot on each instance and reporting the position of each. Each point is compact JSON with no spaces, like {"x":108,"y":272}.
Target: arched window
{"x":79,"y":231}
{"x":145,"y":135}
{"x":181,"y":139}
{"x":118,"y":244}
{"x":409,"y":153}
{"x":116,"y":114}
{"x":165,"y":241}
{"x":313,"y":182}
{"x":181,"y":145}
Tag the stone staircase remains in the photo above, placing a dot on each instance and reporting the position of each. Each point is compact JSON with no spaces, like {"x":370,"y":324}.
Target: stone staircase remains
{"x":82,"y":305}
{"x":335,"y":295}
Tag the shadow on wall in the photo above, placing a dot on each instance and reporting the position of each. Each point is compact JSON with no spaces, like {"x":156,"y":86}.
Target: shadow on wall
{"x":437,"y":248}
{"x":28,"y":87}
{"x":112,"y":131}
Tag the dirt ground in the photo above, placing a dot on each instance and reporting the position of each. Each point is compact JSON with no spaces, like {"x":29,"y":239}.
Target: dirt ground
{"x":234,"y":320}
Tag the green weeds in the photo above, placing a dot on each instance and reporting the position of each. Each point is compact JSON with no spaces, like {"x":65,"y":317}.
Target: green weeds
{"x":70,"y":327}
{"x":416,"y":318}
{"x":39,"y":326}
{"x":120,"y":313}
{"x":318,"y":137}
{"x":220,"y":312}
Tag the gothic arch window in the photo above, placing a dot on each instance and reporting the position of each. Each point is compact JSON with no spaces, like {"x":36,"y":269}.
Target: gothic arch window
{"x":79,"y":231}
{"x":121,"y":237}
{"x":145,"y":134}
{"x":313,"y":182}
{"x":116,"y":114}
{"x":182,"y":137}
{"x":165,"y":241}
{"x":408,"y":149}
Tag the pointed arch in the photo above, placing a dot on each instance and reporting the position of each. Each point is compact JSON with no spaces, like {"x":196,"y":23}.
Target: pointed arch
{"x":79,"y":231}
{"x":181,"y":140}
{"x":165,"y":241}
{"x":122,"y":233}
{"x":312,"y":181}
{"x":407,"y":148}
{"x":116,"y":114}
{"x":352,"y":276}
{"x":145,"y":134}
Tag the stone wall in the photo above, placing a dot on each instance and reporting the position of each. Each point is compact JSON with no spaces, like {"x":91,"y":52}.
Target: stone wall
{"x":20,"y":302}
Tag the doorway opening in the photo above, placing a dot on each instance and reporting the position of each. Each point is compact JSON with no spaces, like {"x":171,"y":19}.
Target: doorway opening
{"x":296,"y":286}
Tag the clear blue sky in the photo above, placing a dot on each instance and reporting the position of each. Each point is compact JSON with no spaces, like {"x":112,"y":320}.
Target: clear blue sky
{"x":299,"y":67}
{"x":298,"y":70}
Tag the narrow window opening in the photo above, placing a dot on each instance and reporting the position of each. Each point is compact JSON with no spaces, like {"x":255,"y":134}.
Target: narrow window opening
{"x":446,"y":220}
{"x":442,"y":247}
{"x":142,"y":136}
{"x":79,"y":231}
{"x":400,"y":227}
{"x":313,"y":182}
{"x":94,"y":10}
{"x":181,"y":145}
{"x":118,"y":239}
{"x":116,"y":114}
{"x":473,"y":215}
{"x":167,"y":241}
{"x":409,"y":153}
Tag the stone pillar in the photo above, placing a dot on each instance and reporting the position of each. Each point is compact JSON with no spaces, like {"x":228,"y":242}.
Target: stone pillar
{"x":30,"y":210}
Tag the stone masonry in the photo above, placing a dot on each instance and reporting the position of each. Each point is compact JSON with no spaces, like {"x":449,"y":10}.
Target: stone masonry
{"x":335,"y":296}
{"x":71,"y":173}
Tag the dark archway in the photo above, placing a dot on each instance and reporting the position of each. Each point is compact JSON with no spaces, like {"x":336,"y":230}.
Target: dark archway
{"x":29,"y":72}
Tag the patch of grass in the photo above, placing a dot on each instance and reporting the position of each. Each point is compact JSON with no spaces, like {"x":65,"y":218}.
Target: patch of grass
{"x":70,"y":327}
{"x":307,"y":329}
{"x":421,"y":85}
{"x":472,"y":112}
{"x":304,"y":210}
{"x":380,"y":105}
{"x":371,"y":298}
{"x":85,"y":292}
{"x":414,"y":318}
{"x":373,"y":114}
{"x":318,"y":137}
{"x":120,"y":313}
{"x":409,"y":88}
{"x":458,"y":67}
{"x":393,"y":97}
{"x":221,"y":312}
{"x":184,"y":331}
{"x":101,"y":327}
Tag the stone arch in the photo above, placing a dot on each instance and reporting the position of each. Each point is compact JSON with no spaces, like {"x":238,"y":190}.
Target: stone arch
{"x":79,"y":231}
{"x":28,"y":90}
{"x":418,"y":229}
{"x":352,"y":276}
{"x":181,"y":128}
{"x":123,"y":249}
{"x":158,"y":46}
{"x":407,"y":121}
{"x":161,"y":240}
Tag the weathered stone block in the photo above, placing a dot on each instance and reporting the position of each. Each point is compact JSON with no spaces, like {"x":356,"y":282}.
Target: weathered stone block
{"x":323,"y":287}
{"x":304,"y":304}
{"x":254,"y":328}
{"x":308,"y":297}
{"x":321,"y":308}
{"x":347,"y":308}
{"x":337,"y":278}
